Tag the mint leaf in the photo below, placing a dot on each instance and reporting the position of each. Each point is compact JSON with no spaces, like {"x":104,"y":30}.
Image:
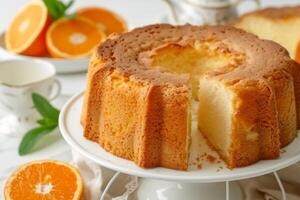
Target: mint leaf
{"x":31,"y":138}
{"x":46,"y":122}
{"x":44,"y":107}
{"x":52,"y":8}
{"x":57,"y":8}
{"x":61,"y":7}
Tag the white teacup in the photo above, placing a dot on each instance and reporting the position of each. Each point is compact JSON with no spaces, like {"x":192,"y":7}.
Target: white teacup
{"x":19,"y":78}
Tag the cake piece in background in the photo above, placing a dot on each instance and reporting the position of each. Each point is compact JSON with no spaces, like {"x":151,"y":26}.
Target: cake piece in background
{"x":281,"y":25}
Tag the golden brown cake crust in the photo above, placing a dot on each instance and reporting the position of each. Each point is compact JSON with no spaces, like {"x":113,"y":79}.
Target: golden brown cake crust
{"x":277,"y":12}
{"x":123,"y":51}
{"x":282,"y":14}
{"x":159,"y":95}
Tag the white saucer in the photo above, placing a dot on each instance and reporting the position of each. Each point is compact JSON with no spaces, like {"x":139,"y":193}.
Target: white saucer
{"x":71,"y":130}
{"x":63,"y":66}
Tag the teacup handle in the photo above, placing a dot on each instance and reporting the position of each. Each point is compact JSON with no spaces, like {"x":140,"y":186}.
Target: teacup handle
{"x":56,"y":89}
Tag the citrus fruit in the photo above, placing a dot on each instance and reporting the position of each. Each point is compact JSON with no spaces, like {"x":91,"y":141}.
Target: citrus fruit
{"x":108,"y":21}
{"x":26,"y":33}
{"x":46,"y":179}
{"x":73,"y":38}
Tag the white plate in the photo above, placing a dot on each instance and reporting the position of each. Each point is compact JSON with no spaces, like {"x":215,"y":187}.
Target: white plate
{"x":62,"y":66}
{"x":69,"y":122}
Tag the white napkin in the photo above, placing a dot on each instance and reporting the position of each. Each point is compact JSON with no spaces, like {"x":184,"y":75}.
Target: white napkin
{"x":266,"y":187}
{"x":96,"y":178}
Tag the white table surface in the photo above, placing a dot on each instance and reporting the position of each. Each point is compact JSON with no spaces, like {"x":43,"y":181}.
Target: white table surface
{"x":136,"y":13}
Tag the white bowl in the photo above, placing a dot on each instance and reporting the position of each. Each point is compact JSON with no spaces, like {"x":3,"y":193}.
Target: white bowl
{"x":62,"y":66}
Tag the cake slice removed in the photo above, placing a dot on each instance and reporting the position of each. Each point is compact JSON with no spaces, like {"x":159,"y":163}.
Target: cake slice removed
{"x":238,"y":125}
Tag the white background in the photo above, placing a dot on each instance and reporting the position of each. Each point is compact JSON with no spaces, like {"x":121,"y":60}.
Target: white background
{"x":136,"y":13}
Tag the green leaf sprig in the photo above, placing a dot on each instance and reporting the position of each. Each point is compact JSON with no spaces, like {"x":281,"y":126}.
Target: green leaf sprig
{"x":46,"y":125}
{"x":58,"y":9}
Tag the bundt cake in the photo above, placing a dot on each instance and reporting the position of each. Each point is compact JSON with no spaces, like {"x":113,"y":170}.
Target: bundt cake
{"x":141,"y":84}
{"x":281,"y":25}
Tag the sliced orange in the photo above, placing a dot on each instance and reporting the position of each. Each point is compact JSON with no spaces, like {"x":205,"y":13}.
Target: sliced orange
{"x":26,"y":33}
{"x":108,"y":21}
{"x":73,"y":38}
{"x":45,"y":180}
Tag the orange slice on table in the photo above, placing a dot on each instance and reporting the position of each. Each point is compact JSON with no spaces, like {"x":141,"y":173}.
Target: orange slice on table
{"x":45,"y":180}
{"x":26,"y":33}
{"x":73,"y":38}
{"x":108,"y":21}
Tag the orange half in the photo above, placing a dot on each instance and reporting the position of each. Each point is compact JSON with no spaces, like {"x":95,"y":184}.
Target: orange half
{"x":26,"y":33}
{"x":108,"y":21}
{"x":73,"y":38}
{"x":45,"y":180}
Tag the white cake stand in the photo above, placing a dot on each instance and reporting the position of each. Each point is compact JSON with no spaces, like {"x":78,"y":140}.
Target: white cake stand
{"x":173,"y":183}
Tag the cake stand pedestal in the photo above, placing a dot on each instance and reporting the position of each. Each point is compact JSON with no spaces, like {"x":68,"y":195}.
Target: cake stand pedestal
{"x":153,"y":189}
{"x":161,"y":183}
